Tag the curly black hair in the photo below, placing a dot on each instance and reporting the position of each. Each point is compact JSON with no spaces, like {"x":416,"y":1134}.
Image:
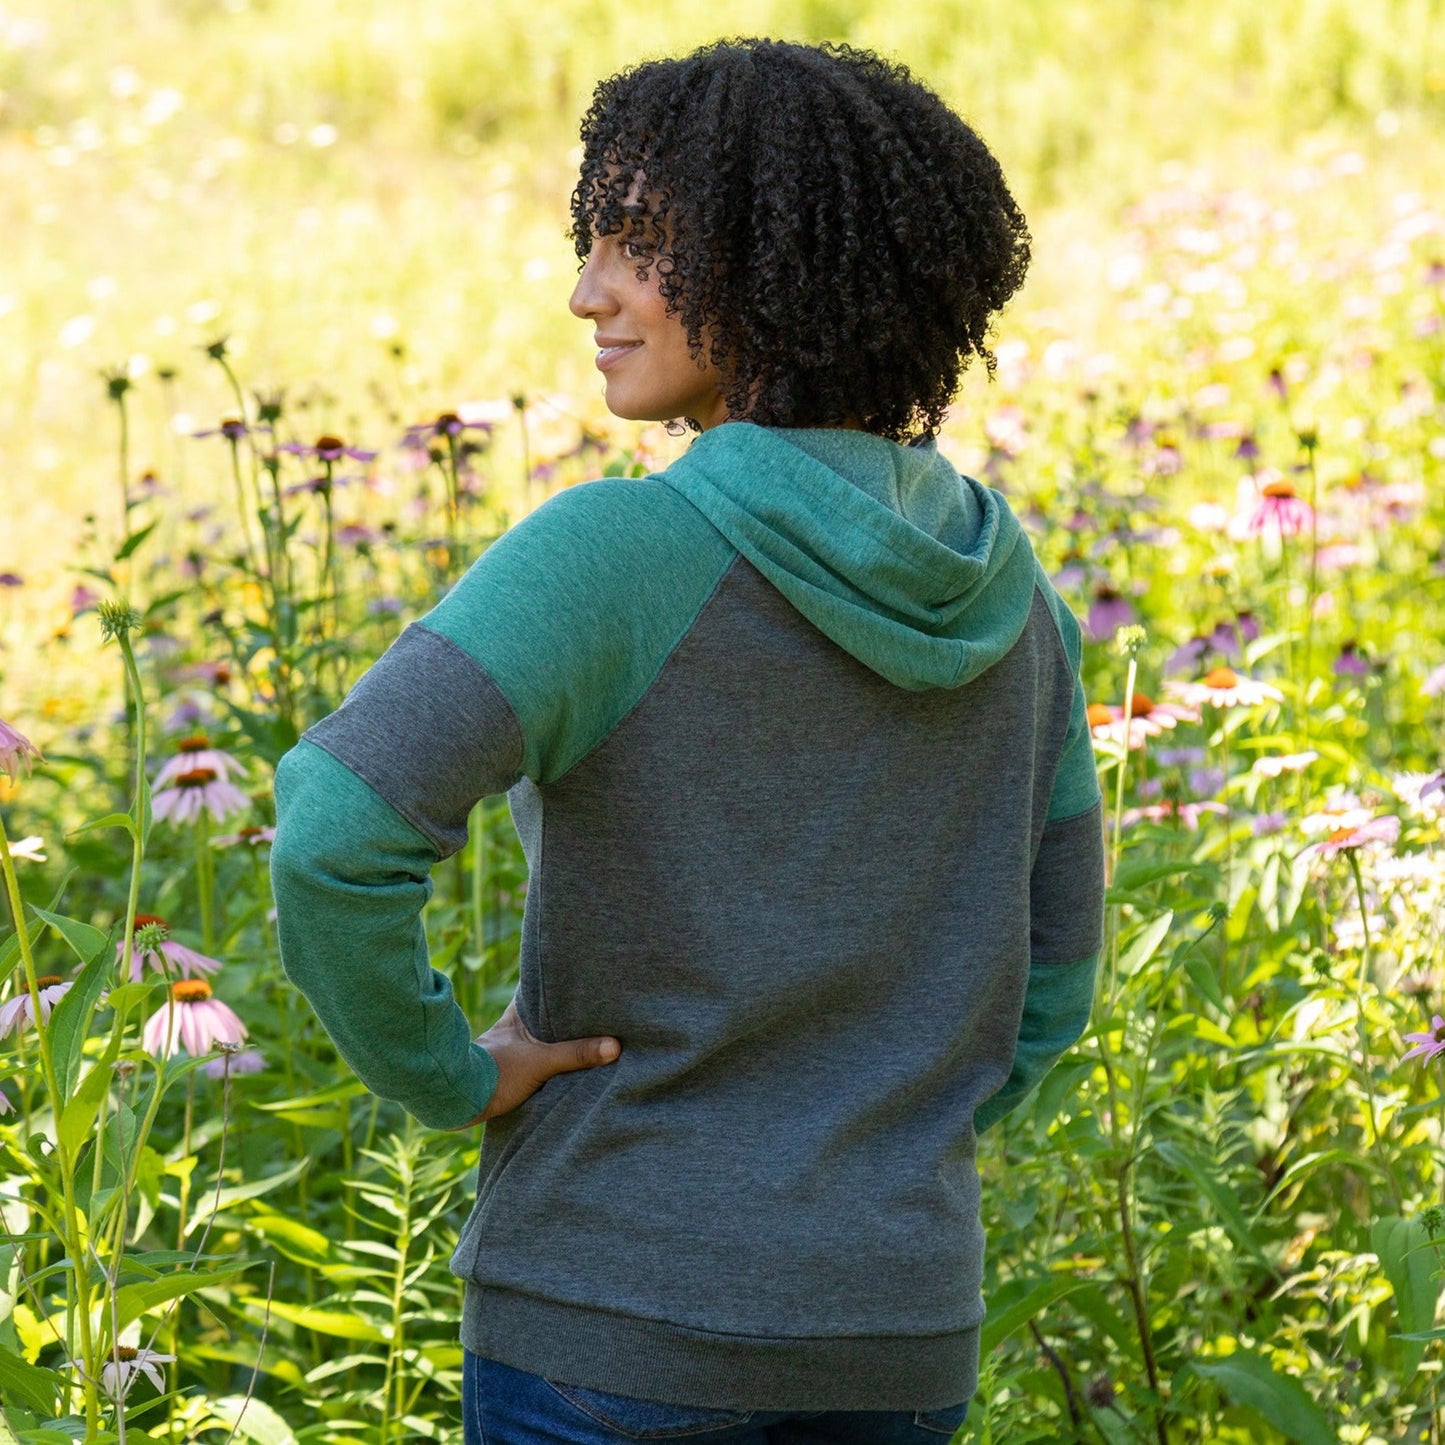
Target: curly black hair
{"x":840,"y":237}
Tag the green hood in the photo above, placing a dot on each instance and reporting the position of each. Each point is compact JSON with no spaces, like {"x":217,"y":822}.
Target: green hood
{"x":920,"y":573}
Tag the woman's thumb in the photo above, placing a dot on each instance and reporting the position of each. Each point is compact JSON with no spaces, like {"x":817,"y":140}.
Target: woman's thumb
{"x":583,"y":1054}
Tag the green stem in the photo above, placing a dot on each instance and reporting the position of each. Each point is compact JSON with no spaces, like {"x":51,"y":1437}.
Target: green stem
{"x":79,"y":1271}
{"x":1366,"y":1066}
{"x":205,"y":881}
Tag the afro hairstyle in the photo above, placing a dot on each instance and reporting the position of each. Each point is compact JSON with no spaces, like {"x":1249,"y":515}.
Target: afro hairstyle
{"x":834,"y":233}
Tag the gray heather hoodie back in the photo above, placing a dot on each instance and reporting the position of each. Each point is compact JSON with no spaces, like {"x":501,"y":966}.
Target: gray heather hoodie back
{"x":793,"y":737}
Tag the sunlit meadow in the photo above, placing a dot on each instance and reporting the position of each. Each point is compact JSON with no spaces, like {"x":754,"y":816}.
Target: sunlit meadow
{"x":284,"y":347}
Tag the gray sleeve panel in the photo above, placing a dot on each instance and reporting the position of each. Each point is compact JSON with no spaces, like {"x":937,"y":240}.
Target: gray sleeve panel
{"x":1066,"y":890}
{"x":430,"y":731}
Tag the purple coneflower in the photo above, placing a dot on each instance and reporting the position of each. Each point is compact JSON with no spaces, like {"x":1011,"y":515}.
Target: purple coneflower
{"x":243,"y":1061}
{"x":185,"y":961}
{"x":251,"y":835}
{"x":83,"y":599}
{"x":233,"y":429}
{"x":6,"y":1107}
{"x":1170,"y":811}
{"x":18,"y":1013}
{"x":11,"y":579}
{"x":125,"y":1363}
{"x":200,"y":788}
{"x":328,"y":449}
{"x":1352,"y":662}
{"x":194,"y":1018}
{"x":1223,"y":687}
{"x":1428,"y":1046}
{"x":16,"y":751}
{"x":1280,"y":508}
{"x":1346,"y":839}
{"x":1109,"y":611}
{"x":196,"y":752}
{"x":1434,"y":786}
{"x":1147,"y":719}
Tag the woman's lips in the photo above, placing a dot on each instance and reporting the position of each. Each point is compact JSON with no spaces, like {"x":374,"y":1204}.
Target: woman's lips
{"x":609,"y":356}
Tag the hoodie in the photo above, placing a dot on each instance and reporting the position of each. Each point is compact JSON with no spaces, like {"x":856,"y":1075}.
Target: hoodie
{"x":793,"y":737}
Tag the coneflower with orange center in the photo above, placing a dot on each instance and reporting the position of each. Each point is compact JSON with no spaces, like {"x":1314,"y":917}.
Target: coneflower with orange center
{"x":197,"y":789}
{"x":19,"y":1013}
{"x":1280,"y":509}
{"x":192,"y":1020}
{"x":1224,"y":687}
{"x":196,"y":752}
{"x":1147,"y":719}
{"x":185,"y":961}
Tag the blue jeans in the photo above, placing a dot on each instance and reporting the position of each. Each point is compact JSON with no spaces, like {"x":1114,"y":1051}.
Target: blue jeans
{"x":503,"y":1406}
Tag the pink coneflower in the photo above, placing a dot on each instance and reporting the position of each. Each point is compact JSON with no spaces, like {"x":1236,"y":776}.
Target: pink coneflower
{"x":1342,"y":840}
{"x":1170,"y":811}
{"x":1147,"y":719}
{"x":1280,"y":509}
{"x":1283,"y":763}
{"x":29,"y":849}
{"x":185,"y":961}
{"x":1428,"y":1046}
{"x":125,"y":1363}
{"x":1223,"y":687}
{"x":6,"y":1107}
{"x":1109,"y":611}
{"x":1352,"y":662}
{"x":1435,"y":787}
{"x":18,"y":1013}
{"x":246,"y":1061}
{"x":1434,"y":684}
{"x":199,"y":1021}
{"x":1342,"y":811}
{"x":197,"y":789}
{"x":197,"y":752}
{"x":250,"y":835}
{"x":328,"y":449}
{"x":16,"y":751}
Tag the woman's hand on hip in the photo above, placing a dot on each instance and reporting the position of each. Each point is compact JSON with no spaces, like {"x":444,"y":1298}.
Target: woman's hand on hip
{"x":525,"y":1063}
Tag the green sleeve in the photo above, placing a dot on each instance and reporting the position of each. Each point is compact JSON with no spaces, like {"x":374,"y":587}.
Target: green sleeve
{"x":351,"y":877}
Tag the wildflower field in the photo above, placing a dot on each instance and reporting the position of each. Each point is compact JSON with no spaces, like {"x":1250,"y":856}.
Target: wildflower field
{"x":284,"y":348}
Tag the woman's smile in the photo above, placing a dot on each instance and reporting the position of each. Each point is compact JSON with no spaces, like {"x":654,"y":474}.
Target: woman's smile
{"x":609,"y":353}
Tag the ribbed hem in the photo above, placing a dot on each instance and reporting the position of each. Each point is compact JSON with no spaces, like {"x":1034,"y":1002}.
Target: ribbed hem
{"x":602,"y":1350}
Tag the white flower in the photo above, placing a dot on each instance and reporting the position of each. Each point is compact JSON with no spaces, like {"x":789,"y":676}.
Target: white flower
{"x":29,"y":849}
{"x":1225,"y":688}
{"x":128,"y":1361}
{"x":1283,"y":763}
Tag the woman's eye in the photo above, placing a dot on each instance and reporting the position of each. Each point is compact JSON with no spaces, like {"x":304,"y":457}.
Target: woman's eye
{"x":636,"y":250}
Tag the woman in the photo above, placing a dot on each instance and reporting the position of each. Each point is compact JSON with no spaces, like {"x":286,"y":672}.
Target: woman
{"x":793,"y":736}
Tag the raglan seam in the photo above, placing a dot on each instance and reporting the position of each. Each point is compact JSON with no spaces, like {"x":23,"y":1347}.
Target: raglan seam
{"x":441,"y":1068}
{"x":424,"y":832}
{"x":657,"y":672}
{"x":1096,"y":806}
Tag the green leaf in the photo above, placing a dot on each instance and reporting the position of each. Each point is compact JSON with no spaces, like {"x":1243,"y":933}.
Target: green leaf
{"x":134,"y":541}
{"x":85,"y":939}
{"x":237,"y":1192}
{"x":1403,"y":1246}
{"x":70,"y":1018}
{"x":111,"y":820}
{"x":1283,"y":1403}
{"x":133,"y":1300}
{"x":10,"y":952}
{"x":1145,"y":944}
{"x":78,"y":1116}
{"x":1000,"y":1323}
{"x":26,"y":1383}
{"x":128,"y":995}
{"x":1218,"y":1192}
{"x":253,"y":1420}
{"x":295,"y":1240}
{"x":342,"y":1325}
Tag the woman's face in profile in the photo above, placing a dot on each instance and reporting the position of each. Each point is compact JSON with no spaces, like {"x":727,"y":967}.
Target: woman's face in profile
{"x":641,"y":350}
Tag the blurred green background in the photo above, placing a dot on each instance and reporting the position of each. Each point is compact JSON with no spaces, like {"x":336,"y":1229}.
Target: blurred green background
{"x":370,"y":196}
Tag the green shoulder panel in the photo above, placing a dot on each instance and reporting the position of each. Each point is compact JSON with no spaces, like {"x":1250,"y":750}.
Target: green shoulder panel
{"x":575,"y":609}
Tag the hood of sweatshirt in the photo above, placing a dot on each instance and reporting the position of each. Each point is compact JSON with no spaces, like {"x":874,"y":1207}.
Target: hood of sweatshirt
{"x":922,"y":574}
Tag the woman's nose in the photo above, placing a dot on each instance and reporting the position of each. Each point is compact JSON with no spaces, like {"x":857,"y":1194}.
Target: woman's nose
{"x":589,"y":296}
